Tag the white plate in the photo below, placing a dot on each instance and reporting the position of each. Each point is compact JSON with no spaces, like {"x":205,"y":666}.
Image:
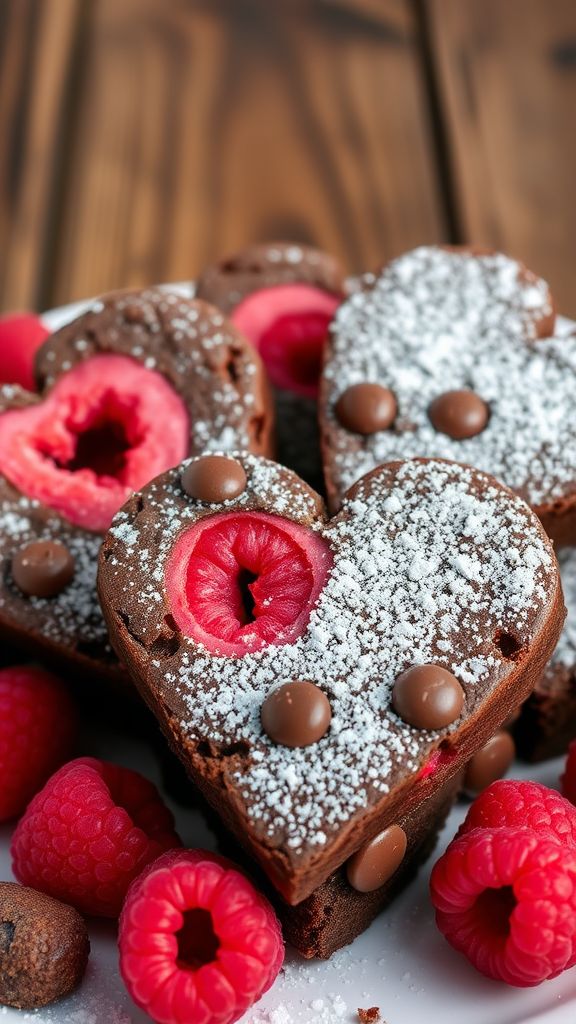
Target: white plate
{"x":401,"y":964}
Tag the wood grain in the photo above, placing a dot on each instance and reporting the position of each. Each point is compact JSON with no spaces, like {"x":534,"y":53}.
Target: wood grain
{"x":202,"y":126}
{"x":38,"y":40}
{"x":507,"y":74}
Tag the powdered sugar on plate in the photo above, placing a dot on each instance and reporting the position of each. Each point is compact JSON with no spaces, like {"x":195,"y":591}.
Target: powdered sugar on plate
{"x":437,"y":320}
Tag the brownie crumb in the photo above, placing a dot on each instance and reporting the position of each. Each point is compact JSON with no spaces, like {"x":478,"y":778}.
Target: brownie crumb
{"x":370,"y":1016}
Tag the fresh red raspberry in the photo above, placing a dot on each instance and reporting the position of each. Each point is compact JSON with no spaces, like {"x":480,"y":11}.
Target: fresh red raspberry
{"x":20,"y":335}
{"x":105,"y":428}
{"x":89,"y":833}
{"x":198,"y":943}
{"x":239,"y":581}
{"x":568,"y":779}
{"x":506,"y":899}
{"x":511,"y":803}
{"x":37,"y":729}
{"x":288,"y":324}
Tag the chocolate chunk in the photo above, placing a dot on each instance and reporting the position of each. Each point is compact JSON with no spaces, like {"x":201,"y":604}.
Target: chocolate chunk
{"x":296,"y":714}
{"x":43,"y":568}
{"x":375,"y":862}
{"x":369,"y":1016}
{"x":214,"y":478}
{"x":44,"y":947}
{"x":459,"y":414}
{"x":428,"y":697}
{"x":366,"y":408}
{"x":491,"y":762}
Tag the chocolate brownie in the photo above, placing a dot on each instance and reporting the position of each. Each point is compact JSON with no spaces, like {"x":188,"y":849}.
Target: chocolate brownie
{"x":547,"y":722}
{"x":335,"y":913}
{"x":125,"y":390}
{"x":432,"y":582}
{"x":44,"y":947}
{"x":453,"y":354}
{"x":282,"y":296}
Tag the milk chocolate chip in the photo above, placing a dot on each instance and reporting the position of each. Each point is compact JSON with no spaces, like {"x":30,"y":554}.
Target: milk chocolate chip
{"x":43,"y":568}
{"x":428,"y":697}
{"x":376,"y":861}
{"x":366,"y":408}
{"x":459,"y":414}
{"x":489,"y":763}
{"x":44,"y":947}
{"x":214,"y":478}
{"x":296,"y":714}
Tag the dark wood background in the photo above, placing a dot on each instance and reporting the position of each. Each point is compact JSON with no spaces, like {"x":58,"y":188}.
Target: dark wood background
{"x":141,"y":138}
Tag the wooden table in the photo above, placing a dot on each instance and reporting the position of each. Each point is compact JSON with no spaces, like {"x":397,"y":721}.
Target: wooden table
{"x":141,"y":138}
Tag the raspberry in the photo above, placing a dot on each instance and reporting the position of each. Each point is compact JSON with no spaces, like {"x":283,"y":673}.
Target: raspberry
{"x":106,"y":428}
{"x":239,"y":581}
{"x":509,"y":802}
{"x":20,"y":335}
{"x":506,"y":899}
{"x":37,"y":729}
{"x":568,"y":779}
{"x":288,"y":325}
{"x":198,"y":943}
{"x":89,"y":833}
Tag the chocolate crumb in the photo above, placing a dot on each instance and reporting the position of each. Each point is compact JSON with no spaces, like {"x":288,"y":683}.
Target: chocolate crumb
{"x":370,"y":1016}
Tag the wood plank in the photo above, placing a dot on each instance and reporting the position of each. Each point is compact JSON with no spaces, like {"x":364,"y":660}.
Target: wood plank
{"x":507,"y":74}
{"x":37,"y":46}
{"x":206,"y":125}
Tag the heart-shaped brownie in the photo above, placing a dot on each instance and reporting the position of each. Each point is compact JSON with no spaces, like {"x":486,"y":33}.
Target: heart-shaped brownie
{"x":320,"y":679}
{"x":282,"y":297}
{"x":129,"y":388}
{"x":450,"y":354}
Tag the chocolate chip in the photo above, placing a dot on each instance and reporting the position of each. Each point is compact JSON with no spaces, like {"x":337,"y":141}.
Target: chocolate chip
{"x":366,"y":408}
{"x":459,"y":414}
{"x":428,"y":697}
{"x":489,"y":763}
{"x":296,"y":714}
{"x":43,"y":568}
{"x":214,"y":478}
{"x":47,"y":952}
{"x":376,"y":861}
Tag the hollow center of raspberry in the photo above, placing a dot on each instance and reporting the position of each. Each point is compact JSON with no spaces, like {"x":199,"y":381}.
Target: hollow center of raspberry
{"x":492,"y":911}
{"x":247,"y":603}
{"x":237,"y":582}
{"x":292,"y":351}
{"x":102,"y":442}
{"x":198,"y":943}
{"x":104,"y":430}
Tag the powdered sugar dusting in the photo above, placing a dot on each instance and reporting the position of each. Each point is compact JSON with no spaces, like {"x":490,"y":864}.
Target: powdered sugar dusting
{"x":430,"y":563}
{"x":434,"y":321}
{"x":73,"y":617}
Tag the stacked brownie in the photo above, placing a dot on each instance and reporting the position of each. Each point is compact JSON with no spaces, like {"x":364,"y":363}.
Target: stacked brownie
{"x":328,"y":674}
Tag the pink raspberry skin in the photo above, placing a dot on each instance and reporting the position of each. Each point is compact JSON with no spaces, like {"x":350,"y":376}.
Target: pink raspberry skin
{"x":235,"y":962}
{"x":89,"y":832}
{"x":21,"y":334}
{"x":568,"y":779}
{"x":37,"y":729}
{"x":506,"y":899}
{"x":514,"y":803}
